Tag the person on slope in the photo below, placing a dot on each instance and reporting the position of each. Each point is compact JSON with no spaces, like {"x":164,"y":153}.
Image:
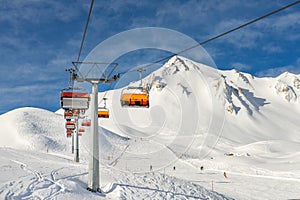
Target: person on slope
{"x":225,"y":175}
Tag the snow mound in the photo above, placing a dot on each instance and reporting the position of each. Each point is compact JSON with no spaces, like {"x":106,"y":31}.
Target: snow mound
{"x":32,"y":128}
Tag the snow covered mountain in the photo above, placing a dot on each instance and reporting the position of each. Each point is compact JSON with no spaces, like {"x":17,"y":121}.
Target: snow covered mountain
{"x":225,"y":121}
{"x":204,"y":109}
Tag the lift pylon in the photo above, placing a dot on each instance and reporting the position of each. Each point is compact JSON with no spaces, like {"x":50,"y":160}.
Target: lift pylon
{"x":74,"y":102}
{"x":86,"y":75}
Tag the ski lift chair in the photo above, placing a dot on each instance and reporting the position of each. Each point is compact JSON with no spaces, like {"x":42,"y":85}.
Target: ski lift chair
{"x":81,"y":131}
{"x":103,"y":113}
{"x":74,"y":100}
{"x":70,"y":125}
{"x":135,"y":96}
{"x":68,"y":115}
{"x":69,"y":133}
{"x":86,"y":122}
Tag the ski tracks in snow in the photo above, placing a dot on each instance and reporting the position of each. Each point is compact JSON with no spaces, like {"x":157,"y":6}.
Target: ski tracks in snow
{"x":158,"y":186}
{"x":37,"y":186}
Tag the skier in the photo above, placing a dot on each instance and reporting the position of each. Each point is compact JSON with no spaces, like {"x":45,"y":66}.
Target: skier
{"x":225,"y":175}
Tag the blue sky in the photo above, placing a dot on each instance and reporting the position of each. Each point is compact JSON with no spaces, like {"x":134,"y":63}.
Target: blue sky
{"x":39,"y":39}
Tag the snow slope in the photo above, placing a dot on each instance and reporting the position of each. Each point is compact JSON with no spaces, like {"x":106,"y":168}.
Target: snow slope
{"x":29,"y":172}
{"x":248,"y":125}
{"x":225,"y":121}
{"x":198,"y":106}
{"x":32,"y":128}
{"x":46,"y":176}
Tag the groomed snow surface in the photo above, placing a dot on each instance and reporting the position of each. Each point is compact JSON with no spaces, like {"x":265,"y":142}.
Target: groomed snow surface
{"x":223,"y":121}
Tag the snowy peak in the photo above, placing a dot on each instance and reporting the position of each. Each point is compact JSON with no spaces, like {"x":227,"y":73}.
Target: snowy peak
{"x":175,"y":64}
{"x":236,"y":91}
{"x":181,"y":64}
{"x":242,"y":91}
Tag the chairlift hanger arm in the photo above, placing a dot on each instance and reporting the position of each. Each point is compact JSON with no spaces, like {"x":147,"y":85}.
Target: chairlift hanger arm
{"x":141,"y":69}
{"x":73,"y":88}
{"x":115,"y":66}
{"x":105,"y":79}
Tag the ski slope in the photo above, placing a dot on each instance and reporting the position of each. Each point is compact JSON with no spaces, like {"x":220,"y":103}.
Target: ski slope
{"x":225,"y":121}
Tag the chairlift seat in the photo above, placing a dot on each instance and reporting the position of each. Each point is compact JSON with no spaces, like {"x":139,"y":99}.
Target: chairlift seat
{"x":103,"y":113}
{"x":86,"y":123}
{"x":69,"y":135}
{"x":81,"y":130}
{"x":70,"y":125}
{"x":75,"y":95}
{"x":74,"y":100}
{"x":135,"y":99}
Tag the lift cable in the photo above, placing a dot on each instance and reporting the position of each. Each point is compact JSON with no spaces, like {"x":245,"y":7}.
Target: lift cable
{"x":220,"y":35}
{"x":85,"y":29}
{"x":83,"y":39}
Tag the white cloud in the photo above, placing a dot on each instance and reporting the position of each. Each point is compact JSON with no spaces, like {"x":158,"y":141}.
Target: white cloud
{"x":272,"y":48}
{"x":273,"y":72}
{"x":29,"y":95}
{"x":35,"y":11}
{"x":240,"y":66}
{"x":283,"y":22}
{"x":243,"y":38}
{"x":298,"y":62}
{"x":285,"y":26}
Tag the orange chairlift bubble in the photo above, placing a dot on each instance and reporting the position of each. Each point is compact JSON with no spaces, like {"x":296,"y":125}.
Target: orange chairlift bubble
{"x":74,"y":100}
{"x":135,"y":99}
{"x":103,"y":112}
{"x":69,"y":132}
{"x":81,"y":130}
{"x":69,"y":135}
{"x":70,"y":125}
{"x":136,"y":96}
{"x":74,"y":97}
{"x":68,"y":114}
{"x":86,"y":122}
